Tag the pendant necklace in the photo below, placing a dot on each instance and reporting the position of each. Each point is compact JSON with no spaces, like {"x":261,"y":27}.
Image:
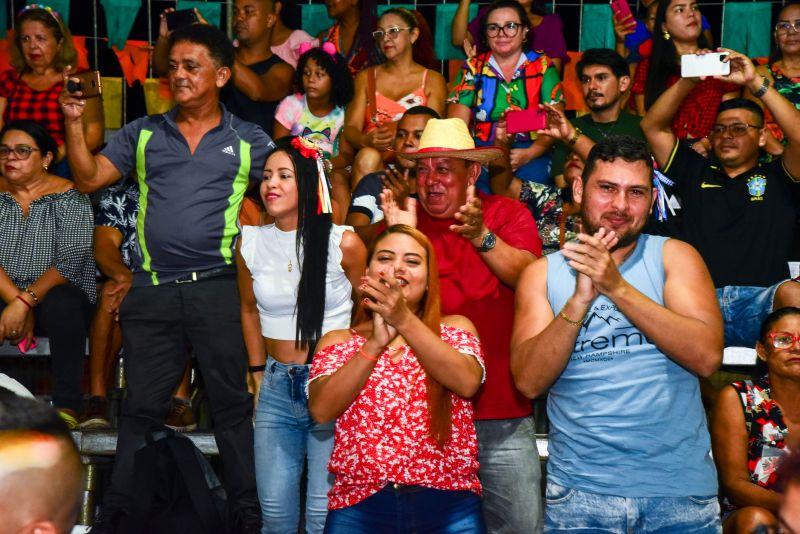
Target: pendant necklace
{"x":288,"y":258}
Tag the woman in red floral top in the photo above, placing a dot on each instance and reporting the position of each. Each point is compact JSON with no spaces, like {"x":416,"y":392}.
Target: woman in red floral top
{"x":405,"y":453}
{"x":678,"y":31}
{"x":752,"y":423}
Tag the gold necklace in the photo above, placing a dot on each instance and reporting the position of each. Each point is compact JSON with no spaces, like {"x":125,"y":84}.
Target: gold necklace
{"x":277,"y":240}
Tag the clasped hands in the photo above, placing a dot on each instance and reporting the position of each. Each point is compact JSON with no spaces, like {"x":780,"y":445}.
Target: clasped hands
{"x":597,"y":272}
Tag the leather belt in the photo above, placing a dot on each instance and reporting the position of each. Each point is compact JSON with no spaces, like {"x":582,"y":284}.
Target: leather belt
{"x":197,"y":276}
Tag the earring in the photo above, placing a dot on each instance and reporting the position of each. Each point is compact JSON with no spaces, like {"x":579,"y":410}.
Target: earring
{"x":666,"y":35}
{"x":44,"y":166}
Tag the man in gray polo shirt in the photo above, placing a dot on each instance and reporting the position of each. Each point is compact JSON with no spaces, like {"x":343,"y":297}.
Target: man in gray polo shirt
{"x":193,"y":165}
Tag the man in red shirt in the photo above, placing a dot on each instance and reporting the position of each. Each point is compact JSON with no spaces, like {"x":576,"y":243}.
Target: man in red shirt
{"x":482,"y":243}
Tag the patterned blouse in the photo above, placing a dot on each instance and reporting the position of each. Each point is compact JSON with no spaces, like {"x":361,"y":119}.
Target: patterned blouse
{"x":56,"y":233}
{"x":766,"y":445}
{"x":481,"y":87}
{"x":547,"y":207}
{"x":119,"y":206}
{"x":384,"y":436}
{"x":789,"y":88}
{"x":27,"y":103}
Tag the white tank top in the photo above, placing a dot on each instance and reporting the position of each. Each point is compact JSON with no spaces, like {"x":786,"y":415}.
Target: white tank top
{"x":267,"y":252}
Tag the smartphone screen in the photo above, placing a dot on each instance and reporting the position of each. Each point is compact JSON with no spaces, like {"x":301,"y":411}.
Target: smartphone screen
{"x":526,"y":120}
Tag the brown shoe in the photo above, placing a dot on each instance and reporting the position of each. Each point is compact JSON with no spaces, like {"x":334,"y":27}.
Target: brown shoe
{"x":180,"y":417}
{"x":94,"y":415}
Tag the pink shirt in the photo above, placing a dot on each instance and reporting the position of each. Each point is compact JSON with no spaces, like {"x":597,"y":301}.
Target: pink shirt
{"x":384,"y":436}
{"x":288,"y":50}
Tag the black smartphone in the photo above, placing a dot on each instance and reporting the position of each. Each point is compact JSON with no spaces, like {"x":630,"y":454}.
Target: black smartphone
{"x":180,"y":18}
{"x":88,"y":84}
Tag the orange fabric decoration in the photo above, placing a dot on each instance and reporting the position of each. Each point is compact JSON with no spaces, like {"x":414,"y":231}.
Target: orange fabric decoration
{"x":83,"y":54}
{"x":134,"y":60}
{"x":571,"y":85}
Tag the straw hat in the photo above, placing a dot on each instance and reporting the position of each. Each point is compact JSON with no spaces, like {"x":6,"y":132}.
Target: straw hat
{"x":449,"y":138}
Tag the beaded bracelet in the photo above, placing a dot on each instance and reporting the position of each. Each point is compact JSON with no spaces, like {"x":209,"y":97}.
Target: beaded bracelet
{"x":30,"y":292}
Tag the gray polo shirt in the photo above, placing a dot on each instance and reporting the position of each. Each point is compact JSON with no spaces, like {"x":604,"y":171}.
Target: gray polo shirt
{"x":188,"y":203}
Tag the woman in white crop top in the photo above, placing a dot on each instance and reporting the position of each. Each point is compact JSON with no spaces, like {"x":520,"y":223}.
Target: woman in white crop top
{"x":295,"y":278}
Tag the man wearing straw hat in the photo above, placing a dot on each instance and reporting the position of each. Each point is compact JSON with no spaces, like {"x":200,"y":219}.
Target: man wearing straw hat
{"x":482,"y":243}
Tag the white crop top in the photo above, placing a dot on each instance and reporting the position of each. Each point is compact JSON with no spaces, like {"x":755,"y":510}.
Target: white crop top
{"x":267,"y":252}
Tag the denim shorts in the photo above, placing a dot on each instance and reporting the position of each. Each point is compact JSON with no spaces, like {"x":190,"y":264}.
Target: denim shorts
{"x":537,"y":170}
{"x":571,"y":510}
{"x":744,"y":308}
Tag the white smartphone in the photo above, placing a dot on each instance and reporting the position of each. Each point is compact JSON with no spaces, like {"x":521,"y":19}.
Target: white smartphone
{"x":693,"y":65}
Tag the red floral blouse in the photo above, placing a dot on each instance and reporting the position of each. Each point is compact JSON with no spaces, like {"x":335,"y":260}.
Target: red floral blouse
{"x":384,"y":436}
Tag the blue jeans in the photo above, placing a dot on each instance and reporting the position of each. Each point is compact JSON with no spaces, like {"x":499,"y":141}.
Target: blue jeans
{"x":510,"y":474}
{"x":744,"y":308}
{"x":536,"y":170}
{"x":285,"y":437}
{"x":410,"y":509}
{"x":575,"y":511}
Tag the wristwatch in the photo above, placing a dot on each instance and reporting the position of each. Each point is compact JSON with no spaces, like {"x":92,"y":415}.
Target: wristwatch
{"x":488,"y":242}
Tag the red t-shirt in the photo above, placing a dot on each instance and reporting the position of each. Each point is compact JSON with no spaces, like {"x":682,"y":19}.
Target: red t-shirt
{"x":469,"y":288}
{"x":384,"y":436}
{"x":698,"y":111}
{"x":27,"y":103}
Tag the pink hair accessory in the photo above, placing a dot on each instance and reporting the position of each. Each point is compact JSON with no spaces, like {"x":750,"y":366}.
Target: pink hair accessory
{"x":327,"y":47}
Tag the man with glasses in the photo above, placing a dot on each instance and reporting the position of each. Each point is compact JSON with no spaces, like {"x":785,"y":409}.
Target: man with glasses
{"x":740,"y":213}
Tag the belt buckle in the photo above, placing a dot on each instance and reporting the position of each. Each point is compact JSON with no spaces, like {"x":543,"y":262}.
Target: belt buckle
{"x":193,"y":279}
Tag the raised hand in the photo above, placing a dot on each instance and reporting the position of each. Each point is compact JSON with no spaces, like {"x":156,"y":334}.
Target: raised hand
{"x":558,"y":125}
{"x":394,"y":213}
{"x":742,"y":70}
{"x":384,"y":295}
{"x":623,"y":26}
{"x":397,"y":182}
{"x":470,"y":217}
{"x":72,"y":105}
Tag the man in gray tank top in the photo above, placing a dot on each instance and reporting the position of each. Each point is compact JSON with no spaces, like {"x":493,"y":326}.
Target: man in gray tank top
{"x":618,"y":326}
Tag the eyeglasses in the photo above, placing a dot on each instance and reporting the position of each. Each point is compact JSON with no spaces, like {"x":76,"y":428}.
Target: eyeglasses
{"x":391,"y":33}
{"x":509,"y":29}
{"x":785,"y":27}
{"x":22,"y":152}
{"x":737,"y":129}
{"x":782,"y":340}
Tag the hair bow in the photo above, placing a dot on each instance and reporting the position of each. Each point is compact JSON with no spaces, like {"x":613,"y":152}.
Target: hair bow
{"x":327,"y":47}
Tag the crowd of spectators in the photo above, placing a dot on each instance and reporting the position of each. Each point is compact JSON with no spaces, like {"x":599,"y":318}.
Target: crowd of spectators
{"x":439,"y":264}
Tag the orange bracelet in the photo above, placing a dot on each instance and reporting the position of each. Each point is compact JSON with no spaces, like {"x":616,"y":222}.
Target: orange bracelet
{"x":365,"y":355}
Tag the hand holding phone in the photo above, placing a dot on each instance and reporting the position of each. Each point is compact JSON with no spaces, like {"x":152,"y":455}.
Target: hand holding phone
{"x":711,"y":64}
{"x":621,"y":9}
{"x":526,"y":120}
{"x":180,"y":18}
{"x":88,"y":83}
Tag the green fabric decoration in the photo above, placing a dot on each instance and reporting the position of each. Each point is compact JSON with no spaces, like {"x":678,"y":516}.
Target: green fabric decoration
{"x":314,"y":18}
{"x":4,"y":22}
{"x":442,"y":45}
{"x":597,"y":30}
{"x":209,"y":10}
{"x":120,"y":15}
{"x":747,"y":27}
{"x":62,"y":6}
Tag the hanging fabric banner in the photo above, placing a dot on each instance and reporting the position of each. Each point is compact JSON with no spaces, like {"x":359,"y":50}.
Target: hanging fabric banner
{"x":60,"y":6}
{"x":208,"y":10}
{"x":112,"y":102}
{"x":120,"y":15}
{"x":597,"y":30}
{"x":157,"y":96}
{"x":79,"y":42}
{"x":134,"y":60}
{"x":747,"y":28}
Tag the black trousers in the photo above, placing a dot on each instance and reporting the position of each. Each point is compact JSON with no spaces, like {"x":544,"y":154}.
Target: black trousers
{"x":63,"y":316}
{"x":158,"y":323}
